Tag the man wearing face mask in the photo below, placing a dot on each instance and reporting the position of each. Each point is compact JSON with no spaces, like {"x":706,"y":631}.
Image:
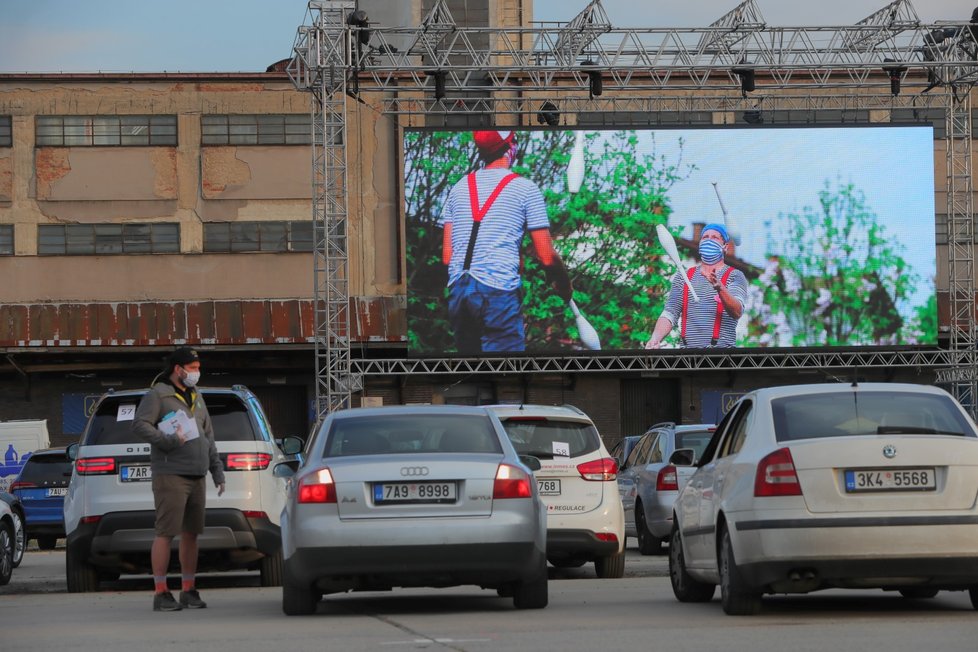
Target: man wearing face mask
{"x":712,"y":321}
{"x":180,"y":462}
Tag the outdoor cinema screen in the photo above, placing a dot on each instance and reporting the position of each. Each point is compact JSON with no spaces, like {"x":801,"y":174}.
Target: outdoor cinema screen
{"x":553,"y":241}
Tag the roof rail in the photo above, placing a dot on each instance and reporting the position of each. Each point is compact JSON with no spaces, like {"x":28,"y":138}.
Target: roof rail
{"x":663,"y":424}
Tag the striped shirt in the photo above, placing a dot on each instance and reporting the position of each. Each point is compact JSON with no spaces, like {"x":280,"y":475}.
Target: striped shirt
{"x":496,"y":257}
{"x":702,"y":316}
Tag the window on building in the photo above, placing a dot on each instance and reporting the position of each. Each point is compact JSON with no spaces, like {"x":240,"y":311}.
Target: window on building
{"x":107,"y":239}
{"x":234,"y":237}
{"x":6,"y":132}
{"x":282,"y":129}
{"x":106,"y":131}
{"x":6,"y":239}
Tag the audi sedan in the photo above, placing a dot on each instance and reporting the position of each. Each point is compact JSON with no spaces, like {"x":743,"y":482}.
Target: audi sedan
{"x":412,"y":496}
{"x":812,"y":487}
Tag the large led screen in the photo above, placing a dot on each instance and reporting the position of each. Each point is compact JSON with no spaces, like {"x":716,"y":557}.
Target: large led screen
{"x":625,"y":240}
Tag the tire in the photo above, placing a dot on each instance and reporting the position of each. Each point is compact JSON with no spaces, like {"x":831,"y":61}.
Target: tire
{"x":684,"y":587}
{"x":47,"y":543}
{"x":737,"y":598}
{"x":648,"y":543}
{"x":20,"y":539}
{"x":299,"y":599}
{"x":532,"y":594}
{"x":271,"y":569}
{"x":6,"y":552}
{"x":919,"y":593}
{"x":610,"y":567}
{"x":973,"y":594}
{"x":82,"y":576}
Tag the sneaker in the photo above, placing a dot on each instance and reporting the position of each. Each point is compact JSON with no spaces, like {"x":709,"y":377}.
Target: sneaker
{"x":191,"y":600}
{"x":165,"y":602}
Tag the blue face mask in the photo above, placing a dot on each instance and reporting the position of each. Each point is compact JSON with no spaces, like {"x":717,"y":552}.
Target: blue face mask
{"x":711,"y":251}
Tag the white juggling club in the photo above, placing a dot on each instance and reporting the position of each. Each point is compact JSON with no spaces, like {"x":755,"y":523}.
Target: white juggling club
{"x":589,"y":336}
{"x":575,"y":167}
{"x":728,"y":222}
{"x":669,"y":244}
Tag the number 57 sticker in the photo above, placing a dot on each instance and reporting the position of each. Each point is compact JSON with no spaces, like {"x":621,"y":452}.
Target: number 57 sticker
{"x":126,"y":413}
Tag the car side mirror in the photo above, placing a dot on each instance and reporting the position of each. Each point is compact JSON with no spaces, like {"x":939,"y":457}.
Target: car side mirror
{"x":291,"y":445}
{"x":531,"y":462}
{"x":285,"y":469}
{"x":72,"y":451}
{"x":683,"y":457}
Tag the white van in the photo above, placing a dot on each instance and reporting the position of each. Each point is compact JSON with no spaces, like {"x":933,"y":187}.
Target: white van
{"x":18,"y":440}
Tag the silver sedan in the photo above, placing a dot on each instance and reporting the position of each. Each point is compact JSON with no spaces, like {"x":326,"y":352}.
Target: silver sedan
{"x":412,"y":496}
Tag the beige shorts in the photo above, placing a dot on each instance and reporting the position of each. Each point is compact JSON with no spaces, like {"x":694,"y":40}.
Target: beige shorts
{"x":179,"y":504}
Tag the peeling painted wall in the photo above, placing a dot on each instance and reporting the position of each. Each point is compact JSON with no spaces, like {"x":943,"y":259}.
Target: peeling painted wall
{"x":106,"y":173}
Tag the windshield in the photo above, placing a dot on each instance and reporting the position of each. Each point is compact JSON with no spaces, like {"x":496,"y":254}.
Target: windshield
{"x":542,"y":437}
{"x":412,"y":433}
{"x":842,"y":414}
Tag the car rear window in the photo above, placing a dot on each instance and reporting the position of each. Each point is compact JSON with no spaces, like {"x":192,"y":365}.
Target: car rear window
{"x":229,"y":415}
{"x":538,"y":436}
{"x":695,"y":439}
{"x":842,"y":414}
{"x":428,"y":433}
{"x":47,"y":468}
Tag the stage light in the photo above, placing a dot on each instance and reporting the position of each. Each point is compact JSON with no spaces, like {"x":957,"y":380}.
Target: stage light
{"x":746,"y":79}
{"x":359,"y":19}
{"x":548,"y":114}
{"x":440,"y":77}
{"x":894,"y":72}
{"x":753,"y":117}
{"x":595,"y":85}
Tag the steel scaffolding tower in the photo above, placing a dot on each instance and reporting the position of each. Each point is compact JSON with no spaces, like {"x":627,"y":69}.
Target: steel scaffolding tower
{"x":441,"y":68}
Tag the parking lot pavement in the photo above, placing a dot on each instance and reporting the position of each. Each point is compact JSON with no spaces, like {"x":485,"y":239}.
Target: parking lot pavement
{"x":43,"y":571}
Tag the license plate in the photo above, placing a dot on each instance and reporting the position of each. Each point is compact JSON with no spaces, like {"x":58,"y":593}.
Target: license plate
{"x":135,"y":472}
{"x":414,"y":492}
{"x":923,"y":479}
{"x":57,"y":491}
{"x":548,"y":487}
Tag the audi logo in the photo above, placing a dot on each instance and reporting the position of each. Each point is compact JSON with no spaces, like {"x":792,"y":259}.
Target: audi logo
{"x":413,"y":471}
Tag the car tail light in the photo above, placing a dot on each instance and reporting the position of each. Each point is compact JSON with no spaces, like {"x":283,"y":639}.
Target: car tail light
{"x":248,"y":461}
{"x":511,"y":482}
{"x":606,"y":536}
{"x":776,"y":475}
{"x":95,"y":465}
{"x":317,"y":487}
{"x":252,"y":514}
{"x":600,"y":470}
{"x":88,"y":520}
{"x":667,"y":480}
{"x":22,"y":484}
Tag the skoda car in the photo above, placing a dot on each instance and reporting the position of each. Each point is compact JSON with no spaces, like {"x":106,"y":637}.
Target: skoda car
{"x":412,"y":496}
{"x":109,"y":512}
{"x":812,"y":487}
{"x":577,"y":482}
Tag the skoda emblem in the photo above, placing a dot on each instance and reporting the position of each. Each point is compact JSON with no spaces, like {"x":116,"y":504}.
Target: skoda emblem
{"x":414,"y":471}
{"x":889,"y":451}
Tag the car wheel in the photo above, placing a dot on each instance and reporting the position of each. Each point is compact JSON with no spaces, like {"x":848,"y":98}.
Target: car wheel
{"x":648,"y":543}
{"x":47,"y":543}
{"x":918,"y":593}
{"x":532,"y":594}
{"x":20,"y":539}
{"x":610,"y":567}
{"x":6,"y":552}
{"x":299,"y":599}
{"x":684,"y":587}
{"x":82,"y":576}
{"x":271,"y":569}
{"x":737,"y":598}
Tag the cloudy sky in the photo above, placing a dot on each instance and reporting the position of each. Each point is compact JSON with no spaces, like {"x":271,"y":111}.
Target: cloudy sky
{"x":248,"y":35}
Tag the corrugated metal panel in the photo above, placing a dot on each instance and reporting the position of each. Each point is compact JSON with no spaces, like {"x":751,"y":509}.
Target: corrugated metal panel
{"x":210,"y":322}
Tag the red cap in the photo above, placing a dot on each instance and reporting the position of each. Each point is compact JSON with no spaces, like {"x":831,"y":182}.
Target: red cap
{"x":493,"y":142}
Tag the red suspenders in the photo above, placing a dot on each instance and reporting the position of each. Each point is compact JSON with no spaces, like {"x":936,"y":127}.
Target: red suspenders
{"x":479,"y":212}
{"x":716,"y":323}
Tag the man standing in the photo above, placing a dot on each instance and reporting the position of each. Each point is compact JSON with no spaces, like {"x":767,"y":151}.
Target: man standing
{"x":172,"y":417}
{"x":485,"y":217}
{"x":711,"y":322}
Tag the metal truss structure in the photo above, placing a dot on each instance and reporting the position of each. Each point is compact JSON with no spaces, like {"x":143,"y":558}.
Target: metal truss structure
{"x":888,"y":61}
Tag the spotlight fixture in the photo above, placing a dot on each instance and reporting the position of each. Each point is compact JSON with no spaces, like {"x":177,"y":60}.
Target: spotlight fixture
{"x":894,"y":71}
{"x":440,"y":77}
{"x":359,"y":19}
{"x":753,"y":117}
{"x":746,"y":78}
{"x":548,"y":114}
{"x":595,"y":85}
